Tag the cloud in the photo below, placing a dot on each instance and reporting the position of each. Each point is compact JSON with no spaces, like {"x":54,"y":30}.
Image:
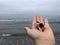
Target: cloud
{"x":13,"y":6}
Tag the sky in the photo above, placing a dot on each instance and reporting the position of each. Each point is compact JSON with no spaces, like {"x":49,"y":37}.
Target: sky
{"x":43,"y":7}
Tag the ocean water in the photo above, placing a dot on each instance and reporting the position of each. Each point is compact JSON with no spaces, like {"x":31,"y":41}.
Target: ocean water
{"x":17,"y":27}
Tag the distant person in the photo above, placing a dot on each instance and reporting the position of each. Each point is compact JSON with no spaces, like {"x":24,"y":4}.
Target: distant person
{"x":39,"y":35}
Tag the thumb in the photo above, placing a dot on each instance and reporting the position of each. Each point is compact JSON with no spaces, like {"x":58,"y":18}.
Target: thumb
{"x":28,"y":30}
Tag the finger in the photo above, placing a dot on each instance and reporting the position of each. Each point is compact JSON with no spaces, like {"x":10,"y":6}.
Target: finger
{"x":41,"y":19}
{"x":28,"y":30}
{"x":38,"y":18}
{"x":46,"y":23}
{"x":34,"y":22}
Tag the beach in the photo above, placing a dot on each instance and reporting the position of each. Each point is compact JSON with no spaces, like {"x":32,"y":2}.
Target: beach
{"x":17,"y":27}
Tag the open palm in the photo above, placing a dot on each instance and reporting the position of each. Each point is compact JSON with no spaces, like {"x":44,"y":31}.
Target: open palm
{"x":35,"y":34}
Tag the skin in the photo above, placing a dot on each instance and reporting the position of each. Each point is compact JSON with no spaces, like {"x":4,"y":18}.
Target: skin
{"x":40,"y":37}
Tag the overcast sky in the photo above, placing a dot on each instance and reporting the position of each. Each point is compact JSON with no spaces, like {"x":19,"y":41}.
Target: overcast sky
{"x":45,"y":7}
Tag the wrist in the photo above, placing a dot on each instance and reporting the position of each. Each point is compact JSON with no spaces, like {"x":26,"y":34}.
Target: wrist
{"x":43,"y":42}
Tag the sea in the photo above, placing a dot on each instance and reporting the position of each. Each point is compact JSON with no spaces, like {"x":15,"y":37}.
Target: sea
{"x":12,"y":32}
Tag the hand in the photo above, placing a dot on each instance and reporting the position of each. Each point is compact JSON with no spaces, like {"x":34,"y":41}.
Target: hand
{"x":38,"y":36}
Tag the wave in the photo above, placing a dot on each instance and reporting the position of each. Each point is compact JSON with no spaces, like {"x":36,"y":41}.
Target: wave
{"x":7,"y":20}
{"x":26,"y":21}
{"x":15,"y":20}
{"x":55,"y":22}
